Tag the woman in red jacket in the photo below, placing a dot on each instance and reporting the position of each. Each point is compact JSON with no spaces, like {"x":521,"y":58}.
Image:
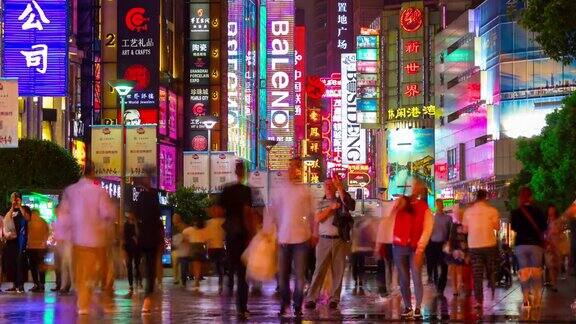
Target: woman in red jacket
{"x":412,"y":230}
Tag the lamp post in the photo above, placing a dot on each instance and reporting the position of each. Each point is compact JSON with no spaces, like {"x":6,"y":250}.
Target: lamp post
{"x":268,"y":145}
{"x":209,"y":122}
{"x":123,"y":88}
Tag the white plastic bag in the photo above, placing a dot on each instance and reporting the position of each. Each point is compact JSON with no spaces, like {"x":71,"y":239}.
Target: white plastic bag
{"x":261,"y":257}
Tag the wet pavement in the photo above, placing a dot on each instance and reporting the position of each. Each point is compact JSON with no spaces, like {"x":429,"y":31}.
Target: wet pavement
{"x":179,"y":305}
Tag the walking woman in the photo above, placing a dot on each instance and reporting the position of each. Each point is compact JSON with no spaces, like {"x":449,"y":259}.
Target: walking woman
{"x":530,"y":225}
{"x":412,"y":230}
{"x":458,"y":257}
{"x":557,"y":247}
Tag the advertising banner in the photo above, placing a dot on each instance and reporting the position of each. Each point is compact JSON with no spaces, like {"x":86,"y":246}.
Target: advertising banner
{"x":196,"y":170}
{"x":410,"y":154}
{"x":105,"y":150}
{"x":280,"y":76}
{"x":8,"y":113}
{"x":139,"y":50}
{"x":354,"y":137}
{"x":163,"y":112}
{"x":35,"y":44}
{"x":140,"y":149}
{"x":167,"y":178}
{"x":344,"y":22}
{"x":222,"y":169}
{"x":258,"y":182}
{"x":172,"y":115}
{"x":299,"y":82}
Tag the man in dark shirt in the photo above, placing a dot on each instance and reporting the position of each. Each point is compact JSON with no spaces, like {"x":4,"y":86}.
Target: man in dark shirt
{"x":236,"y":202}
{"x":150,"y":230}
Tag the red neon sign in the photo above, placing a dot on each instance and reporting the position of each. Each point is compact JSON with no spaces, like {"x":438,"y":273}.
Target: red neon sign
{"x":412,"y":47}
{"x":412,"y":68}
{"x":412,"y":90}
{"x":411,"y":19}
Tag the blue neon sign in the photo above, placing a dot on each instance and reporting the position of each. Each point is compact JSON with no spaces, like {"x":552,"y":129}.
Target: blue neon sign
{"x":36,"y":46}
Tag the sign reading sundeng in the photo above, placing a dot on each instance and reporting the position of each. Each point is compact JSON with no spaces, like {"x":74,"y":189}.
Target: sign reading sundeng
{"x":353,"y":136}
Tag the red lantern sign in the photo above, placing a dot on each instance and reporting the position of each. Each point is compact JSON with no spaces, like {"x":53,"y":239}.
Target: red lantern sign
{"x":411,"y":19}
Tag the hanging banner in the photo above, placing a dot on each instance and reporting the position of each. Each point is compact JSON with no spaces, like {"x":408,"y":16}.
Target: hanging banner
{"x":8,"y":113}
{"x":140,"y":149}
{"x":258,"y":182}
{"x":196,"y":170}
{"x":222,"y":170}
{"x":35,"y":46}
{"x":106,"y":148}
{"x":167,"y":177}
{"x":139,"y":50}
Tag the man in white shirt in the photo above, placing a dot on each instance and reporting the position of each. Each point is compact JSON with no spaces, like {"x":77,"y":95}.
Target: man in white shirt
{"x":481,"y":222}
{"x":291,"y":210}
{"x":86,"y":218}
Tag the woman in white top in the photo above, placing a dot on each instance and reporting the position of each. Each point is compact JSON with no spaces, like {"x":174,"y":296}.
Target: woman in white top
{"x":196,"y":236}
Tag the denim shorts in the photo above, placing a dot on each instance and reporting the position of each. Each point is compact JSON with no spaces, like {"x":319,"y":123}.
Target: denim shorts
{"x":530,"y":256}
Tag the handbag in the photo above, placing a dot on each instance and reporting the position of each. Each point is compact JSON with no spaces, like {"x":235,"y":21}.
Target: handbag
{"x":543,"y":240}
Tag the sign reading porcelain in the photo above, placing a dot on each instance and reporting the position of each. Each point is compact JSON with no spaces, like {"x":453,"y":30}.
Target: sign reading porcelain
{"x":35,"y":46}
{"x":139,"y":51}
{"x":353,"y":136}
{"x":280,"y":77}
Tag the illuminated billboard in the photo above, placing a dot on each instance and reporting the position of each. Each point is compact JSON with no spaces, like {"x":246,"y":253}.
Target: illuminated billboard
{"x":139,"y":51}
{"x":280,"y":77}
{"x":368,"y":82}
{"x":35,"y":46}
{"x":299,"y":84}
{"x":410,"y":155}
{"x":353,"y":136}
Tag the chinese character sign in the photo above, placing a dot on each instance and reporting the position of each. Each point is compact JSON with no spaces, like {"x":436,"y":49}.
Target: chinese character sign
{"x":36,"y":46}
{"x":411,"y":22}
{"x":167,"y":168}
{"x":139,"y":50}
{"x":8,"y":113}
{"x":105,"y":148}
{"x":344,"y":26}
{"x":140,"y":149}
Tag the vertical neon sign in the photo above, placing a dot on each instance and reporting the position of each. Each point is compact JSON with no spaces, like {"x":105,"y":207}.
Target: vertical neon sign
{"x":299,"y":77}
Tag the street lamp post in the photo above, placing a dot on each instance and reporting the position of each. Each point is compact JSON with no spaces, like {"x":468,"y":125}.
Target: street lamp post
{"x":268,"y":145}
{"x":123,"y":88}
{"x":209,"y":122}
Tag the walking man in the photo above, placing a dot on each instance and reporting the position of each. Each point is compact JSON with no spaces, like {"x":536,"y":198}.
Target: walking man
{"x":481,"y":221}
{"x":435,"y":255}
{"x":236,"y":201}
{"x":150,"y":232}
{"x":332,"y":248}
{"x":86,"y":217}
{"x":291,"y":210}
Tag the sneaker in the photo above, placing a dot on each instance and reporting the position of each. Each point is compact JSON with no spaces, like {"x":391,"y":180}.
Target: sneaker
{"x":13,"y":289}
{"x":333,"y":304}
{"x":242,"y":316}
{"x":417,"y":314}
{"x":298,"y":312}
{"x":147,"y":306}
{"x":55,"y":289}
{"x":408,"y":313}
{"x":283,"y":311}
{"x":526,"y":305}
{"x":20,"y":290}
{"x":310,"y":304}
{"x":83,"y":312}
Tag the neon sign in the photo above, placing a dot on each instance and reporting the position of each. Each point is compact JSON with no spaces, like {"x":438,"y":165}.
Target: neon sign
{"x":411,"y":19}
{"x":36,"y":46}
{"x":353,"y":136}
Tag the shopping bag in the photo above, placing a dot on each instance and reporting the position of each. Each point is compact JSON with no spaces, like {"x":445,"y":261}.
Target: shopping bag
{"x":261,"y":257}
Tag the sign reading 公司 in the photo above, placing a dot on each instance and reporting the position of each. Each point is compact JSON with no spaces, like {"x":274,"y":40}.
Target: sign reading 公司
{"x":280,"y":76}
{"x":139,"y":50}
{"x":353,"y":136}
{"x":8,"y":113}
{"x":36,"y":46}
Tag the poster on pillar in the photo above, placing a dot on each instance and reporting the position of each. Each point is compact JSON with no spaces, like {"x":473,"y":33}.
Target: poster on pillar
{"x":106,"y":150}
{"x":222,"y":170}
{"x":196,"y":170}
{"x":258,"y":181}
{"x":140,"y":150}
{"x":139,"y":50}
{"x":8,"y":113}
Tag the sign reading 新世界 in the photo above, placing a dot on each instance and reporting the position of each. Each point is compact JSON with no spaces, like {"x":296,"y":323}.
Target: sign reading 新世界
{"x":35,"y":46}
{"x":139,"y":51}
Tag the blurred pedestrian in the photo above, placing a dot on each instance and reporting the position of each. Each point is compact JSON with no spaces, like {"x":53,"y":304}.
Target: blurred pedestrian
{"x":132,"y":251}
{"x":334,"y":225}
{"x":62,"y":259}
{"x":38,"y":233}
{"x":291,"y":210}
{"x":557,"y":248}
{"x":86,"y":217}
{"x":458,"y":256}
{"x":363,"y":243}
{"x":481,"y":222}
{"x":412,"y":229}
{"x":435,"y":257}
{"x":383,"y":247}
{"x":149,"y":232}
{"x":13,"y":259}
{"x":530,"y":225}
{"x":215,"y":235}
{"x":196,"y":237}
{"x":236,"y":204}
{"x":178,"y":226}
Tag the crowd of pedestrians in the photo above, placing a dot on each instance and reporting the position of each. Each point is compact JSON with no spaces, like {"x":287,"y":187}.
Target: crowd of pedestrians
{"x":458,"y":248}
